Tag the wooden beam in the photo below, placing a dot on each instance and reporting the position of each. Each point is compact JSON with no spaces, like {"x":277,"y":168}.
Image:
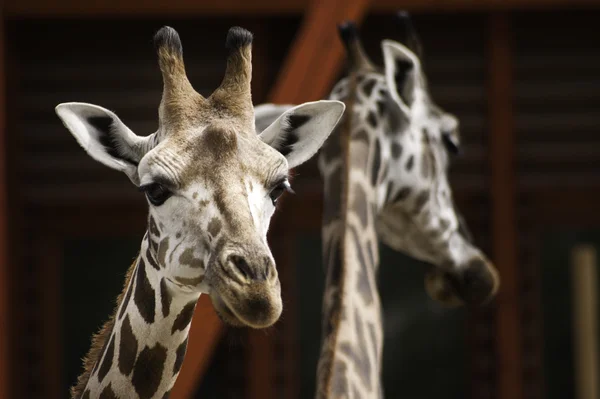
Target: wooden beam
{"x":205,"y":333}
{"x":504,"y":207}
{"x":186,"y":8}
{"x":4,"y":257}
{"x":316,"y":56}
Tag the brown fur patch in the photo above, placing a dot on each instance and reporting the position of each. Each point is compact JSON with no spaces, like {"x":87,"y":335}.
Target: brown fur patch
{"x":98,"y":340}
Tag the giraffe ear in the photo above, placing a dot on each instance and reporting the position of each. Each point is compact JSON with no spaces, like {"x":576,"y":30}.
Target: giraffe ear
{"x":402,"y":73}
{"x":300,"y":131}
{"x":104,"y":137}
{"x":266,"y":114}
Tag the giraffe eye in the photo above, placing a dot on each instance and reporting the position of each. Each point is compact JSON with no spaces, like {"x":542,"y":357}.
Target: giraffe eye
{"x":279,"y":189}
{"x":156,"y":193}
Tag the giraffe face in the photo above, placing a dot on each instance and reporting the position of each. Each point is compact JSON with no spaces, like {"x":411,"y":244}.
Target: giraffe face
{"x":418,"y":215}
{"x":211,"y":182}
{"x":403,"y":142}
{"x":211,"y":193}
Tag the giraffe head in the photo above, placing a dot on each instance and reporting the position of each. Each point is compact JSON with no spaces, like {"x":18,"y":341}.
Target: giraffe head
{"x":210,"y":180}
{"x":413,"y":141}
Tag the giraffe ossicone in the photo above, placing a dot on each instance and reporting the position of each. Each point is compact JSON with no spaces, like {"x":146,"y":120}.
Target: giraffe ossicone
{"x":212,"y":184}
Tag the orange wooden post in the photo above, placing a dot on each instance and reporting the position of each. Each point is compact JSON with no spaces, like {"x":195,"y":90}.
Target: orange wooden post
{"x":4,"y":258}
{"x":504,"y":207}
{"x":314,"y":61}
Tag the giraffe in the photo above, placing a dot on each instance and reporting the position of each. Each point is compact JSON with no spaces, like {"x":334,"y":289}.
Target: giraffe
{"x":385,"y":177}
{"x":212,"y":185}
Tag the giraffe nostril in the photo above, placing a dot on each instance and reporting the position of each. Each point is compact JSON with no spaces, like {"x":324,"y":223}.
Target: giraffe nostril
{"x":241,"y":265}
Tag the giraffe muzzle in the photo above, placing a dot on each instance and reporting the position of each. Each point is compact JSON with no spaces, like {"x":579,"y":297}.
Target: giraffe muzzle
{"x":245,"y":289}
{"x":474,"y":283}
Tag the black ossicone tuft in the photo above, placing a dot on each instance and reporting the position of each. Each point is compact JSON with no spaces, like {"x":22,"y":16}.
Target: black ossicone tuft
{"x":348,"y":32}
{"x":237,"y":38}
{"x":169,"y":38}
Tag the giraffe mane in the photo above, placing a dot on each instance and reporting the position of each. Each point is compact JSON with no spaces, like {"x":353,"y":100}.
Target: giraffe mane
{"x":99,"y":341}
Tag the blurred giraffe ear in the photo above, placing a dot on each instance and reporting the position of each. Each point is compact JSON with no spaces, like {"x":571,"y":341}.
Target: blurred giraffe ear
{"x":402,"y":73}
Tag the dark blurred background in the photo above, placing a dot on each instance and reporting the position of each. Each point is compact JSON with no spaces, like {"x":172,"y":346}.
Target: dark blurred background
{"x":523,"y":76}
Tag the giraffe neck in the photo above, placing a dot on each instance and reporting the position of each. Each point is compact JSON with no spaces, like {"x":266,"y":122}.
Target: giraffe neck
{"x":350,"y":362}
{"x":139,"y":351}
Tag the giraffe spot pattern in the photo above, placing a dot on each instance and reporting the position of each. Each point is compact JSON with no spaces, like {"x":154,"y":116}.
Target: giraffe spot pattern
{"x":425,"y":165}
{"x":372,"y":119}
{"x":128,"y":347}
{"x":148,"y":370}
{"x":153,"y":247}
{"x":410,"y":163}
{"x":86,"y":394}
{"x":163,"y":247}
{"x":107,"y":361}
{"x":396,"y":150}
{"x":380,"y":104}
{"x":368,"y":87}
{"x":214,"y":227}
{"x":153,"y":228}
{"x":166,"y":395}
{"x":184,"y":317}
{"x":363,"y":284}
{"x":108,"y":393}
{"x":376,"y":163}
{"x":101,"y":353}
{"x":360,"y":204}
{"x":179,"y":356}
{"x":165,"y":297}
{"x":144,"y":294}
{"x":126,"y":300}
{"x":401,"y":195}
{"x":150,"y":256}
{"x":187,"y":258}
{"x":421,"y":200}
{"x":384,"y":172}
{"x":388,"y":190}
